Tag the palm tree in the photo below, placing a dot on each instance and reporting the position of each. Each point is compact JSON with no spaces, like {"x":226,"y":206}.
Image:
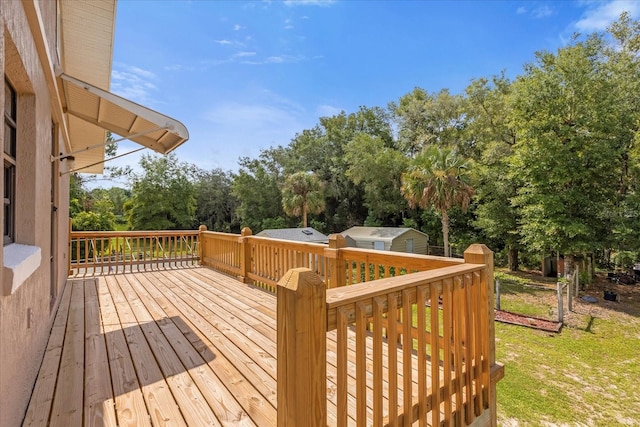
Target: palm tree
{"x":437,"y":177}
{"x":302,"y":194}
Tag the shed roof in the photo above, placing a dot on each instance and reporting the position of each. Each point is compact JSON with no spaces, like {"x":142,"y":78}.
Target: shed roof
{"x":307,"y":234}
{"x":378,"y":233}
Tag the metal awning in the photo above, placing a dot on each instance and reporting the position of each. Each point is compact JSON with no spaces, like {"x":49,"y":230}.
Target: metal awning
{"x":100,"y":110}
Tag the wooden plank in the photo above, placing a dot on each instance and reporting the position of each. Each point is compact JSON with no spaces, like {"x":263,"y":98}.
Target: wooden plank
{"x":377,"y":362}
{"x":435,"y":354}
{"x":129,"y":402}
{"x":99,"y":406}
{"x":42,"y":397}
{"x":392,"y":358}
{"x":187,"y":395}
{"x":447,"y":320}
{"x":67,"y":403}
{"x":262,"y":375}
{"x":227,"y":410}
{"x":422,"y":350}
{"x":161,"y":405}
{"x":361,"y":366}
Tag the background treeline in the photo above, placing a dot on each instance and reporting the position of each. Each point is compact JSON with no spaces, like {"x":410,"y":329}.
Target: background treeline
{"x":549,"y":160}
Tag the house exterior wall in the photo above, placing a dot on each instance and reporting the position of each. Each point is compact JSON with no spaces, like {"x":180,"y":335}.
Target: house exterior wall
{"x":420,"y":241}
{"x":26,"y":313}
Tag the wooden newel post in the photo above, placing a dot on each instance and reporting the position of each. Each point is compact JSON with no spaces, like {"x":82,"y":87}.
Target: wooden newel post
{"x":337,"y":270}
{"x":302,"y":352}
{"x":480,"y":254}
{"x":245,"y":254}
{"x":201,"y":246}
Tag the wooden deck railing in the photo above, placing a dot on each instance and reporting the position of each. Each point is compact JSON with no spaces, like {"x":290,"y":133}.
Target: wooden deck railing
{"x":428,"y":320}
{"x":109,"y":252}
{"x":263,"y":262}
{"x":438,"y":336}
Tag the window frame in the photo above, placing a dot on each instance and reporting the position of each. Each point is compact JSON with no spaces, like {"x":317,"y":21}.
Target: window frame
{"x":9,"y":162}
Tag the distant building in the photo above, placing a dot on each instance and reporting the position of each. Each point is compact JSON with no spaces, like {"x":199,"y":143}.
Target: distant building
{"x":307,"y":235}
{"x":396,"y":239}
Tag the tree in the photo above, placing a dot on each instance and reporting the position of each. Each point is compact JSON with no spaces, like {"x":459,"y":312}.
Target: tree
{"x":491,"y":129}
{"x":256,"y":187}
{"x":567,"y":154}
{"x":216,"y":205}
{"x":302,"y":194}
{"x":426,"y":119}
{"x":163,"y":196}
{"x":437,"y":178}
{"x":378,"y":168}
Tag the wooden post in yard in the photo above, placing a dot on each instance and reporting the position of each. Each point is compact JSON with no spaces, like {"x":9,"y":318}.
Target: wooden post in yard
{"x":480,"y":254}
{"x":497,"y":294}
{"x":245,"y":254}
{"x":570,"y":293}
{"x":337,"y":271}
{"x":560,"y":303}
{"x":302,"y":352}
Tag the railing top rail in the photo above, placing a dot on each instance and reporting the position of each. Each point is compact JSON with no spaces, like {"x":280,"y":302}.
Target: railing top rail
{"x":302,"y":246}
{"x":221,"y":235}
{"x":401,"y":255}
{"x":337,"y":297}
{"x":134,"y":233}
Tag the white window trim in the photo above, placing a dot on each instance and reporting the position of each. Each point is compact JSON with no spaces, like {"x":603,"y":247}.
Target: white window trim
{"x":20,"y":262}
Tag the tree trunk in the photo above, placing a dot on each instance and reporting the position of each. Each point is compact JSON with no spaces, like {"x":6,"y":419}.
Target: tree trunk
{"x":445,"y":232}
{"x":304,"y":216}
{"x":513,"y":258}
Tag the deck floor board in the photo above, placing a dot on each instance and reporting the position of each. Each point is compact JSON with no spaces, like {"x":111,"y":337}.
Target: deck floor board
{"x":183,"y":347}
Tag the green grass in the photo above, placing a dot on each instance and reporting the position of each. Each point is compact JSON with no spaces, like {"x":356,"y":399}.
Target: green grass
{"x":589,"y":374}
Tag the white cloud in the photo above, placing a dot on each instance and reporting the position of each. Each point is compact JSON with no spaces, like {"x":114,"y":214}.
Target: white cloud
{"x":328,"y":110}
{"x":542,"y":12}
{"x":275,"y":59}
{"x":288,"y":24}
{"x":238,"y":27}
{"x":599,"y":15}
{"x":133,"y":83}
{"x":224,"y":42}
{"x":243,"y":54}
{"x":309,"y":2}
{"x":521,"y":10}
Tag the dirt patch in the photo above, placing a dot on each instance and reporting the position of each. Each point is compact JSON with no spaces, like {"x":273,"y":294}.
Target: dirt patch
{"x":528,"y":321}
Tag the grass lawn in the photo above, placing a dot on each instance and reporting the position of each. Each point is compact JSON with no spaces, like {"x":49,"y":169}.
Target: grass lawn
{"x":588,"y":374}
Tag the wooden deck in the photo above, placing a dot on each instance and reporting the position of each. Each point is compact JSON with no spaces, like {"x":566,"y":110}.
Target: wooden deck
{"x":179,"y":347}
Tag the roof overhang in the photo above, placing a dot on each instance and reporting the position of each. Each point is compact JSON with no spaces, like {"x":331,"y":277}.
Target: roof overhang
{"x":91,"y":111}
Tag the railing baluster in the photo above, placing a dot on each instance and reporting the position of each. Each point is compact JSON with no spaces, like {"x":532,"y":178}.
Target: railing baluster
{"x":361,"y":365}
{"x":407,"y":365}
{"x":392,"y":343}
{"x":377,"y":361}
{"x":447,"y":316}
{"x":421,"y":326}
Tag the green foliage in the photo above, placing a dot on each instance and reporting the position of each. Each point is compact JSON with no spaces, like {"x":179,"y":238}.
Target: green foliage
{"x":216,"y":205}
{"x":163,"y":196}
{"x":437,"y":178}
{"x":93,"y":221}
{"x":257,"y":189}
{"x":302,"y":195}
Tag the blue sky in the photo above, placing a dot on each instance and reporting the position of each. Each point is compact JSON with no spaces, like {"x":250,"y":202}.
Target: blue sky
{"x":244,"y":76}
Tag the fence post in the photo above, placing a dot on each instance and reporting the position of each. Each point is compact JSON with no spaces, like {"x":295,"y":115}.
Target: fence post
{"x":245,"y":254}
{"x":481,"y":254}
{"x":560,"y":302}
{"x":302,"y":352}
{"x":497,"y":294}
{"x":337,"y":271}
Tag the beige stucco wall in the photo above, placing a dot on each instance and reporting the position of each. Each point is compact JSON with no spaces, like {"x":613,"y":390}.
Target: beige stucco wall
{"x":26,"y":314}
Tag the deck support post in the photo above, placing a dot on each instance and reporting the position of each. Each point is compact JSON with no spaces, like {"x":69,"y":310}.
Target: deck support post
{"x":245,"y":254}
{"x":337,"y":271}
{"x":302,"y":352}
{"x":481,"y":254}
{"x":201,"y":229}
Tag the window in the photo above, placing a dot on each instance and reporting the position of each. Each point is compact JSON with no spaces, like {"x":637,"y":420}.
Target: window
{"x":9,"y":161}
